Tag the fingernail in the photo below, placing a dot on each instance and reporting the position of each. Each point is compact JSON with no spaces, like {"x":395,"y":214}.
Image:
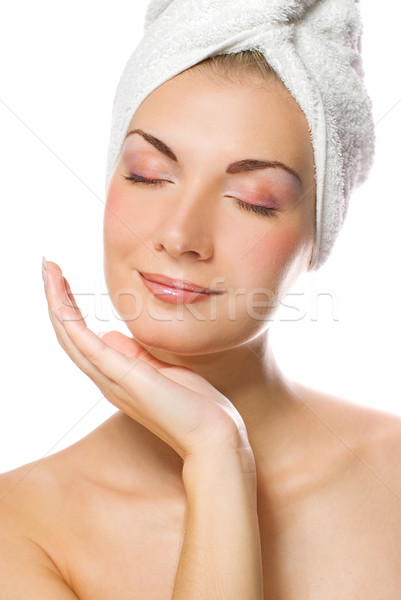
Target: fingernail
{"x":44,"y":262}
{"x":101,"y":334}
{"x":44,"y":275}
{"x":58,"y":315}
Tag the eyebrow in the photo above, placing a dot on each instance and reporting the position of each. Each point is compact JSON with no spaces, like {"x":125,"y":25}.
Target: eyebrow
{"x":158,"y":144}
{"x":240,"y":166}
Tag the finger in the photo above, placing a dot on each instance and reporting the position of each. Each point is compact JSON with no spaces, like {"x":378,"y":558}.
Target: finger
{"x":147,"y":394}
{"x":111,"y":362}
{"x":71,"y":298}
{"x":130,"y":347}
{"x":122,"y":343}
{"x":56,"y":292}
{"x":56,"y":295}
{"x":115,"y":339}
{"x":61,"y":297}
{"x":144,"y":380}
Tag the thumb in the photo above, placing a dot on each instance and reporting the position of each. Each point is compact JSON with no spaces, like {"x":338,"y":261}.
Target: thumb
{"x":120,"y":342}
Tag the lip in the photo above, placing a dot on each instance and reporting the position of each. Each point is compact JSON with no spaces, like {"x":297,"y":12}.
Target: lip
{"x":175,"y":291}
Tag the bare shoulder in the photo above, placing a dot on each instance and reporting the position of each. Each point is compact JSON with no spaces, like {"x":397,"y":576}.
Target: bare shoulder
{"x":26,"y":492}
{"x":26,"y":567}
{"x":115,"y":460}
{"x":39,"y":488}
{"x":371,"y":435}
{"x":78,"y":520}
{"x":345,"y":413}
{"x":49,"y":507}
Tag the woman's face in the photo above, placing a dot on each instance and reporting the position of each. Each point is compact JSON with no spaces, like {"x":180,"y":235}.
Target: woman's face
{"x":217,"y":215}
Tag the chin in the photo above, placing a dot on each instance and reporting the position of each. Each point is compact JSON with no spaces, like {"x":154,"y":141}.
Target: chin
{"x":194,"y":338}
{"x":176,"y":338}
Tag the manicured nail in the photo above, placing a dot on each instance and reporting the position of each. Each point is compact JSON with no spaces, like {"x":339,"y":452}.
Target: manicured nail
{"x":44,"y":275}
{"x":58,"y":315}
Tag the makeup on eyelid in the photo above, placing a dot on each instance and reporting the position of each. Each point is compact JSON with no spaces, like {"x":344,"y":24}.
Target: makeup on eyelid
{"x":268,"y":194}
{"x":271,"y":188}
{"x":145,"y":164}
{"x":274,"y":181}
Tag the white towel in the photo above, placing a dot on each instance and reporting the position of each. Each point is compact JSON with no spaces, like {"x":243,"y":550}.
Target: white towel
{"x":313,"y":45}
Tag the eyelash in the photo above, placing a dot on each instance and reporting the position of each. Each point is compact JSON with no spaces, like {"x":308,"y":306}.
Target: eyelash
{"x":139,"y":179}
{"x":264,"y":210}
{"x":261,"y":210}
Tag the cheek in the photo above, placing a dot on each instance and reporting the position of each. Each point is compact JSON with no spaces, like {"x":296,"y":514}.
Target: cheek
{"x":277,"y":259}
{"x":125,"y":225}
{"x":120,"y":237}
{"x":115,"y":227}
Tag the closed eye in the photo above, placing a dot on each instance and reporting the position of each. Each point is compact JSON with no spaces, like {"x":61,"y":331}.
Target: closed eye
{"x":261,"y":210}
{"x":135,"y":178}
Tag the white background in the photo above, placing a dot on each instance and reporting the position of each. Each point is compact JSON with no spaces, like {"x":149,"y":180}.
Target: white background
{"x":60,"y":64}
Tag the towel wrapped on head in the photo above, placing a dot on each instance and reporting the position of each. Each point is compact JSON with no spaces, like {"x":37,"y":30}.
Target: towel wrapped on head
{"x":312,"y":45}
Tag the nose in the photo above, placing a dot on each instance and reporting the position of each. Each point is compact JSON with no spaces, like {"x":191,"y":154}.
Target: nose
{"x":187,"y":228}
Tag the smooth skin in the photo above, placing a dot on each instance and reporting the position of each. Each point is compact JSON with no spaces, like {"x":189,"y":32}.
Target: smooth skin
{"x":217,"y":477}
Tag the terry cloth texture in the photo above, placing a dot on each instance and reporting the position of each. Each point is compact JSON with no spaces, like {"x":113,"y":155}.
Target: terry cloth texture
{"x":314,"y":47}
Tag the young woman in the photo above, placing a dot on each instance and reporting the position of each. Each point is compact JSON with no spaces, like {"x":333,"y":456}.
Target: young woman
{"x":218,"y":477}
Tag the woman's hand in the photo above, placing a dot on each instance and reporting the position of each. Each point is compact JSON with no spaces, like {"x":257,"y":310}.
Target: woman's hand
{"x":173,"y":402}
